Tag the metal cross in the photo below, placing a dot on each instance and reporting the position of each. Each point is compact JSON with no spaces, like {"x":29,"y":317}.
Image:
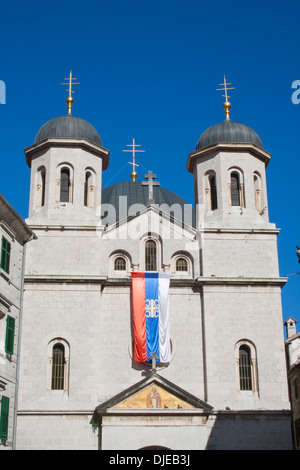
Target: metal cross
{"x":70,"y":99}
{"x":153,"y":359}
{"x":150,"y":177}
{"x":225,"y":88}
{"x":226,"y":105}
{"x":134,"y":150}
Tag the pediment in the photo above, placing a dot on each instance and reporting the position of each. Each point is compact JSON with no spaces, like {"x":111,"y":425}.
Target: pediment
{"x":147,"y":220}
{"x":154,"y":392}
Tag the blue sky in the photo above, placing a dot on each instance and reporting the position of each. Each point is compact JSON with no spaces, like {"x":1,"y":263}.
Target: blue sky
{"x":149,"y":71}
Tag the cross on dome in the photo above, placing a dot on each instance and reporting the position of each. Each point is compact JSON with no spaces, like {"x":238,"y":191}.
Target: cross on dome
{"x":70,"y":99}
{"x":133,"y":150}
{"x":226,"y":105}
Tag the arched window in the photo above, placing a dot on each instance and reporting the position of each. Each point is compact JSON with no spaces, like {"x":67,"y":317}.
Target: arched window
{"x":181,"y":265}
{"x":120,"y":264}
{"x":245,"y":368}
{"x":65,"y":185}
{"x":43,"y":183}
{"x":87,"y":183}
{"x":58,"y":367}
{"x":210,"y":183}
{"x":41,"y":187}
{"x":213,"y":192}
{"x":235,"y":189}
{"x":89,"y":187}
{"x":257,"y":192}
{"x":150,"y":256}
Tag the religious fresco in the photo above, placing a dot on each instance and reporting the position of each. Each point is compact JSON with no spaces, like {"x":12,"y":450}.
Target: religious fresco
{"x":153,"y":397}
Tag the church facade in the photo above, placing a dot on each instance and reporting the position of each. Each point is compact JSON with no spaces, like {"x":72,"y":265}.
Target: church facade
{"x":224,"y":385}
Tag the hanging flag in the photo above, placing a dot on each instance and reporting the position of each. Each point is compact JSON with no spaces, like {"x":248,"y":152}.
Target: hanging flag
{"x":150,"y":302}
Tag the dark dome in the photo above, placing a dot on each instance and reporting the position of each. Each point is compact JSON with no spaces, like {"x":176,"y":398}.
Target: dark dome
{"x":229,"y":132}
{"x":68,"y":127}
{"x":137,"y":193}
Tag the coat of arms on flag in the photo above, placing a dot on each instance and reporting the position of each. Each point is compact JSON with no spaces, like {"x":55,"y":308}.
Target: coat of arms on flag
{"x":150,"y":304}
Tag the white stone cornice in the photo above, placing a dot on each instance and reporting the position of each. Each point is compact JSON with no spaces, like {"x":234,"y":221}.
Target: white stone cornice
{"x":230,"y":147}
{"x":71,"y":143}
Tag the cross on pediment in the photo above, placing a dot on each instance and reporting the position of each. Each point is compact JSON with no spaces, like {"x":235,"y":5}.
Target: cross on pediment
{"x":150,"y":177}
{"x":153,"y":359}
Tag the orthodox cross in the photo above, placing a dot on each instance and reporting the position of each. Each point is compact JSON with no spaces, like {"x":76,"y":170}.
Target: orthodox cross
{"x":134,"y":150}
{"x":153,"y":359}
{"x":225,"y":88}
{"x":70,"y":99}
{"x":150,"y":177}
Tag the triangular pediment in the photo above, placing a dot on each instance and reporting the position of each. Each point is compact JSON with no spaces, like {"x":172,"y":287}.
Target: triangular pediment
{"x":153,"y":396}
{"x":149,"y":219}
{"x":154,"y":392}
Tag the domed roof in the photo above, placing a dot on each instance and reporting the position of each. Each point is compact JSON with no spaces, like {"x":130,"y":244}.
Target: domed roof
{"x":68,"y":127}
{"x":137,"y":193}
{"x":229,"y":132}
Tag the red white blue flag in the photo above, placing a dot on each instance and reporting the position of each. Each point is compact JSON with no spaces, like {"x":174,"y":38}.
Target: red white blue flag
{"x":150,"y":303}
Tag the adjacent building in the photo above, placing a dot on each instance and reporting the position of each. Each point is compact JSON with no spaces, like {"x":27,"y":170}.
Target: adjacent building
{"x":14,"y":234}
{"x":292,"y":345}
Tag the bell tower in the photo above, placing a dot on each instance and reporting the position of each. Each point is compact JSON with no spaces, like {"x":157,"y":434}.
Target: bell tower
{"x":229,"y":168}
{"x":66,"y":161}
{"x":239,"y":282}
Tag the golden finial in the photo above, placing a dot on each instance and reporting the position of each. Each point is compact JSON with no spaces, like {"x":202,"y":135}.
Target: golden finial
{"x":70,"y":99}
{"x":226,"y":105}
{"x":133,"y":174}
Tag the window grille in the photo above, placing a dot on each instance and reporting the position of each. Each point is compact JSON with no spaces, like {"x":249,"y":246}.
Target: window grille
{"x":181,"y":264}
{"x":65,"y":185}
{"x":235,"y":189}
{"x":120,"y":264}
{"x":150,"y":256}
{"x":245,"y":368}
{"x":58,"y":367}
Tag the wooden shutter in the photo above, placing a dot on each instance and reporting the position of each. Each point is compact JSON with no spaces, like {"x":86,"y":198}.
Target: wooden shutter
{"x":10,"y":335}
{"x":4,"y":418}
{"x":5,"y":255}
